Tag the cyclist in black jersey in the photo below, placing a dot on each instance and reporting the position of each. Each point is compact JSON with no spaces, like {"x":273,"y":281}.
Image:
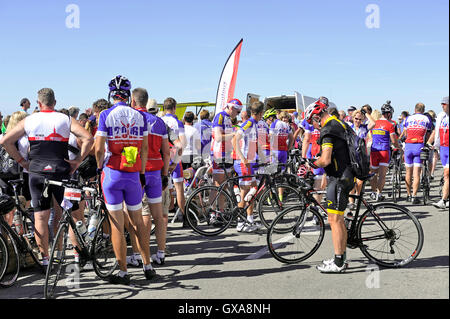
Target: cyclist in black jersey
{"x":335,"y":159}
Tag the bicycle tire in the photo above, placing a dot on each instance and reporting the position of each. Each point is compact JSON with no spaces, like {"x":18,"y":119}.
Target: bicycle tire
{"x":102,"y":251}
{"x":199,"y":208}
{"x":269,"y":208}
{"x":393,"y":217}
{"x":14,"y":259}
{"x":3,"y":256}
{"x":294,"y":235}
{"x":58,"y":261}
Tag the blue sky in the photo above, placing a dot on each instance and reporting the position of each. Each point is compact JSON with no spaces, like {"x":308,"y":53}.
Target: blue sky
{"x":178,"y":49}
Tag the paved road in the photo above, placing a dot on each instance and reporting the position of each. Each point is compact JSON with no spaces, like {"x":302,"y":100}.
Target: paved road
{"x":235,"y":265}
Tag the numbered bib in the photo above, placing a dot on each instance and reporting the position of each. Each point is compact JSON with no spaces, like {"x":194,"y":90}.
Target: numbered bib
{"x":72,"y":194}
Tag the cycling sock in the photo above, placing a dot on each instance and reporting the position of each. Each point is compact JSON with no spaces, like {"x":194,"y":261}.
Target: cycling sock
{"x":339,"y":260}
{"x":45,"y":260}
{"x":160,"y":254}
{"x":123,"y":273}
{"x":250,"y":218}
{"x":147,"y":267}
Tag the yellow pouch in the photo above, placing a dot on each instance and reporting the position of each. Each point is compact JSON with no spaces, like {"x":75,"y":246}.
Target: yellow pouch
{"x":129,"y":156}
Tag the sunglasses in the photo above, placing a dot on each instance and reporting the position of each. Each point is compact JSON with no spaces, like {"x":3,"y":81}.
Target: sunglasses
{"x":357,"y":119}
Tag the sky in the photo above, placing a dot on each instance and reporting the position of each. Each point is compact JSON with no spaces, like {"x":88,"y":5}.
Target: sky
{"x":178,"y":49}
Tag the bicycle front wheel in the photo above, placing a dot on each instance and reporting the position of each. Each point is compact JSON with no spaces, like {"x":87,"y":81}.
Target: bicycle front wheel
{"x":208,"y":212}
{"x":58,"y":264}
{"x":13,"y":262}
{"x":105,"y":261}
{"x":390,"y":235}
{"x":295,"y":234}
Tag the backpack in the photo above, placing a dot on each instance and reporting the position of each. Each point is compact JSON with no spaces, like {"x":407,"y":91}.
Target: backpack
{"x":9,"y":168}
{"x":359,"y":158}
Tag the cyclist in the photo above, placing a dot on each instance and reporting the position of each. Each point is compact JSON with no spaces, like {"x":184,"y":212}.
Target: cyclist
{"x":440,"y":139}
{"x":177,"y":128}
{"x":156,"y":178}
{"x":221,"y":143}
{"x":204,"y":127}
{"x":193,"y":141}
{"x":384,"y":133}
{"x":263,"y":136}
{"x":417,"y":128}
{"x":124,"y":131}
{"x":48,"y":133}
{"x":335,"y":159}
{"x":246,"y":156}
{"x":281,"y":138}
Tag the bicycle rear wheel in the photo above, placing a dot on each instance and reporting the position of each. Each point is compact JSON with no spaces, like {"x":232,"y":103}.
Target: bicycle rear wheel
{"x":270,"y":205}
{"x":13,"y":265}
{"x":58,"y":264}
{"x":3,"y":256}
{"x":390,"y":235}
{"x":295,"y":234}
{"x":105,"y":261}
{"x":209,"y":213}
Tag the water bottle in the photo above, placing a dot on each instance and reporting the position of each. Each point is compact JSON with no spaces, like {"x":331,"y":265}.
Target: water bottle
{"x":250,"y":194}
{"x":18,"y":223}
{"x":237,"y":193}
{"x":81,"y":228}
{"x":348,"y":218}
{"x":92,"y":225}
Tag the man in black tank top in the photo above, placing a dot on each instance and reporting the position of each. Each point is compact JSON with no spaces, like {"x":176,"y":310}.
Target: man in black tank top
{"x":48,"y":133}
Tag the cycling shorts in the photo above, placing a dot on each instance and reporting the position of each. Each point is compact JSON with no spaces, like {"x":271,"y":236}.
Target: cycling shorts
{"x":219,"y":170}
{"x":177,"y":174}
{"x":121,"y":186}
{"x":318,"y":172}
{"x":279,"y":157}
{"x":412,"y":154}
{"x":36,"y":183}
{"x":243,"y":170}
{"x":338,"y":191}
{"x":379,"y":158}
{"x":443,"y":151}
{"x":153,"y":187}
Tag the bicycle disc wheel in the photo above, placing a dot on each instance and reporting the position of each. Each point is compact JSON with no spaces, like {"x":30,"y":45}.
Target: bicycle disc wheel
{"x":105,"y":261}
{"x":3,"y":256}
{"x":13,"y":265}
{"x":58,"y":265}
{"x":390,"y":235}
{"x":295,"y":234}
{"x":270,"y":204}
{"x":209,"y":213}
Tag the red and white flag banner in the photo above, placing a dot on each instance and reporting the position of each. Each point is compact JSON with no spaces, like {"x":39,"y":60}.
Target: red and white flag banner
{"x":227,"y":82}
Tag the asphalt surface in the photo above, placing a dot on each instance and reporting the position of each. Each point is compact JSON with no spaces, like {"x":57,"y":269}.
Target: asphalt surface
{"x":237,"y":266}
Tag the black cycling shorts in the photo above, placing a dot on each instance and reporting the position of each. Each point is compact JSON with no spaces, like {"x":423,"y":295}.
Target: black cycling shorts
{"x":338,"y":191}
{"x":38,"y":201}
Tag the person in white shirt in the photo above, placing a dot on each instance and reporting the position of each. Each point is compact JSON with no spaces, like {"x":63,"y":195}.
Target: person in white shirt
{"x":193,"y":141}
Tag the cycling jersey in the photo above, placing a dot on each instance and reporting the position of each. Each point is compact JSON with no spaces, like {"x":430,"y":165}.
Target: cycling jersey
{"x":249,"y":133}
{"x":381,"y":135}
{"x":443,"y":130}
{"x":263,"y":137}
{"x":221,"y":150}
{"x":48,"y":133}
{"x":313,"y":147}
{"x":157,"y":132}
{"x":124,"y":129}
{"x":279,"y":135}
{"x":204,"y":127}
{"x":332,"y":134}
{"x":174,"y":124}
{"x":417,"y":126}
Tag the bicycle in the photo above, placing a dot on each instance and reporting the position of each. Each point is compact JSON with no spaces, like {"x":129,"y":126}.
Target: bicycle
{"x":3,"y":255}
{"x":386,"y":233}
{"x":219,"y":201}
{"x":21,"y":239}
{"x":396,"y":176}
{"x":425,"y":178}
{"x":95,"y":247}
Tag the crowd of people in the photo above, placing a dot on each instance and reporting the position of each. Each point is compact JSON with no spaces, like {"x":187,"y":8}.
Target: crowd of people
{"x":141,"y":153}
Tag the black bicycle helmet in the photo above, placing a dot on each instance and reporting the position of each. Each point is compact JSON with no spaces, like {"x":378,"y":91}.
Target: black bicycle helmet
{"x":119,"y":87}
{"x":387,"y":108}
{"x":7,"y":204}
